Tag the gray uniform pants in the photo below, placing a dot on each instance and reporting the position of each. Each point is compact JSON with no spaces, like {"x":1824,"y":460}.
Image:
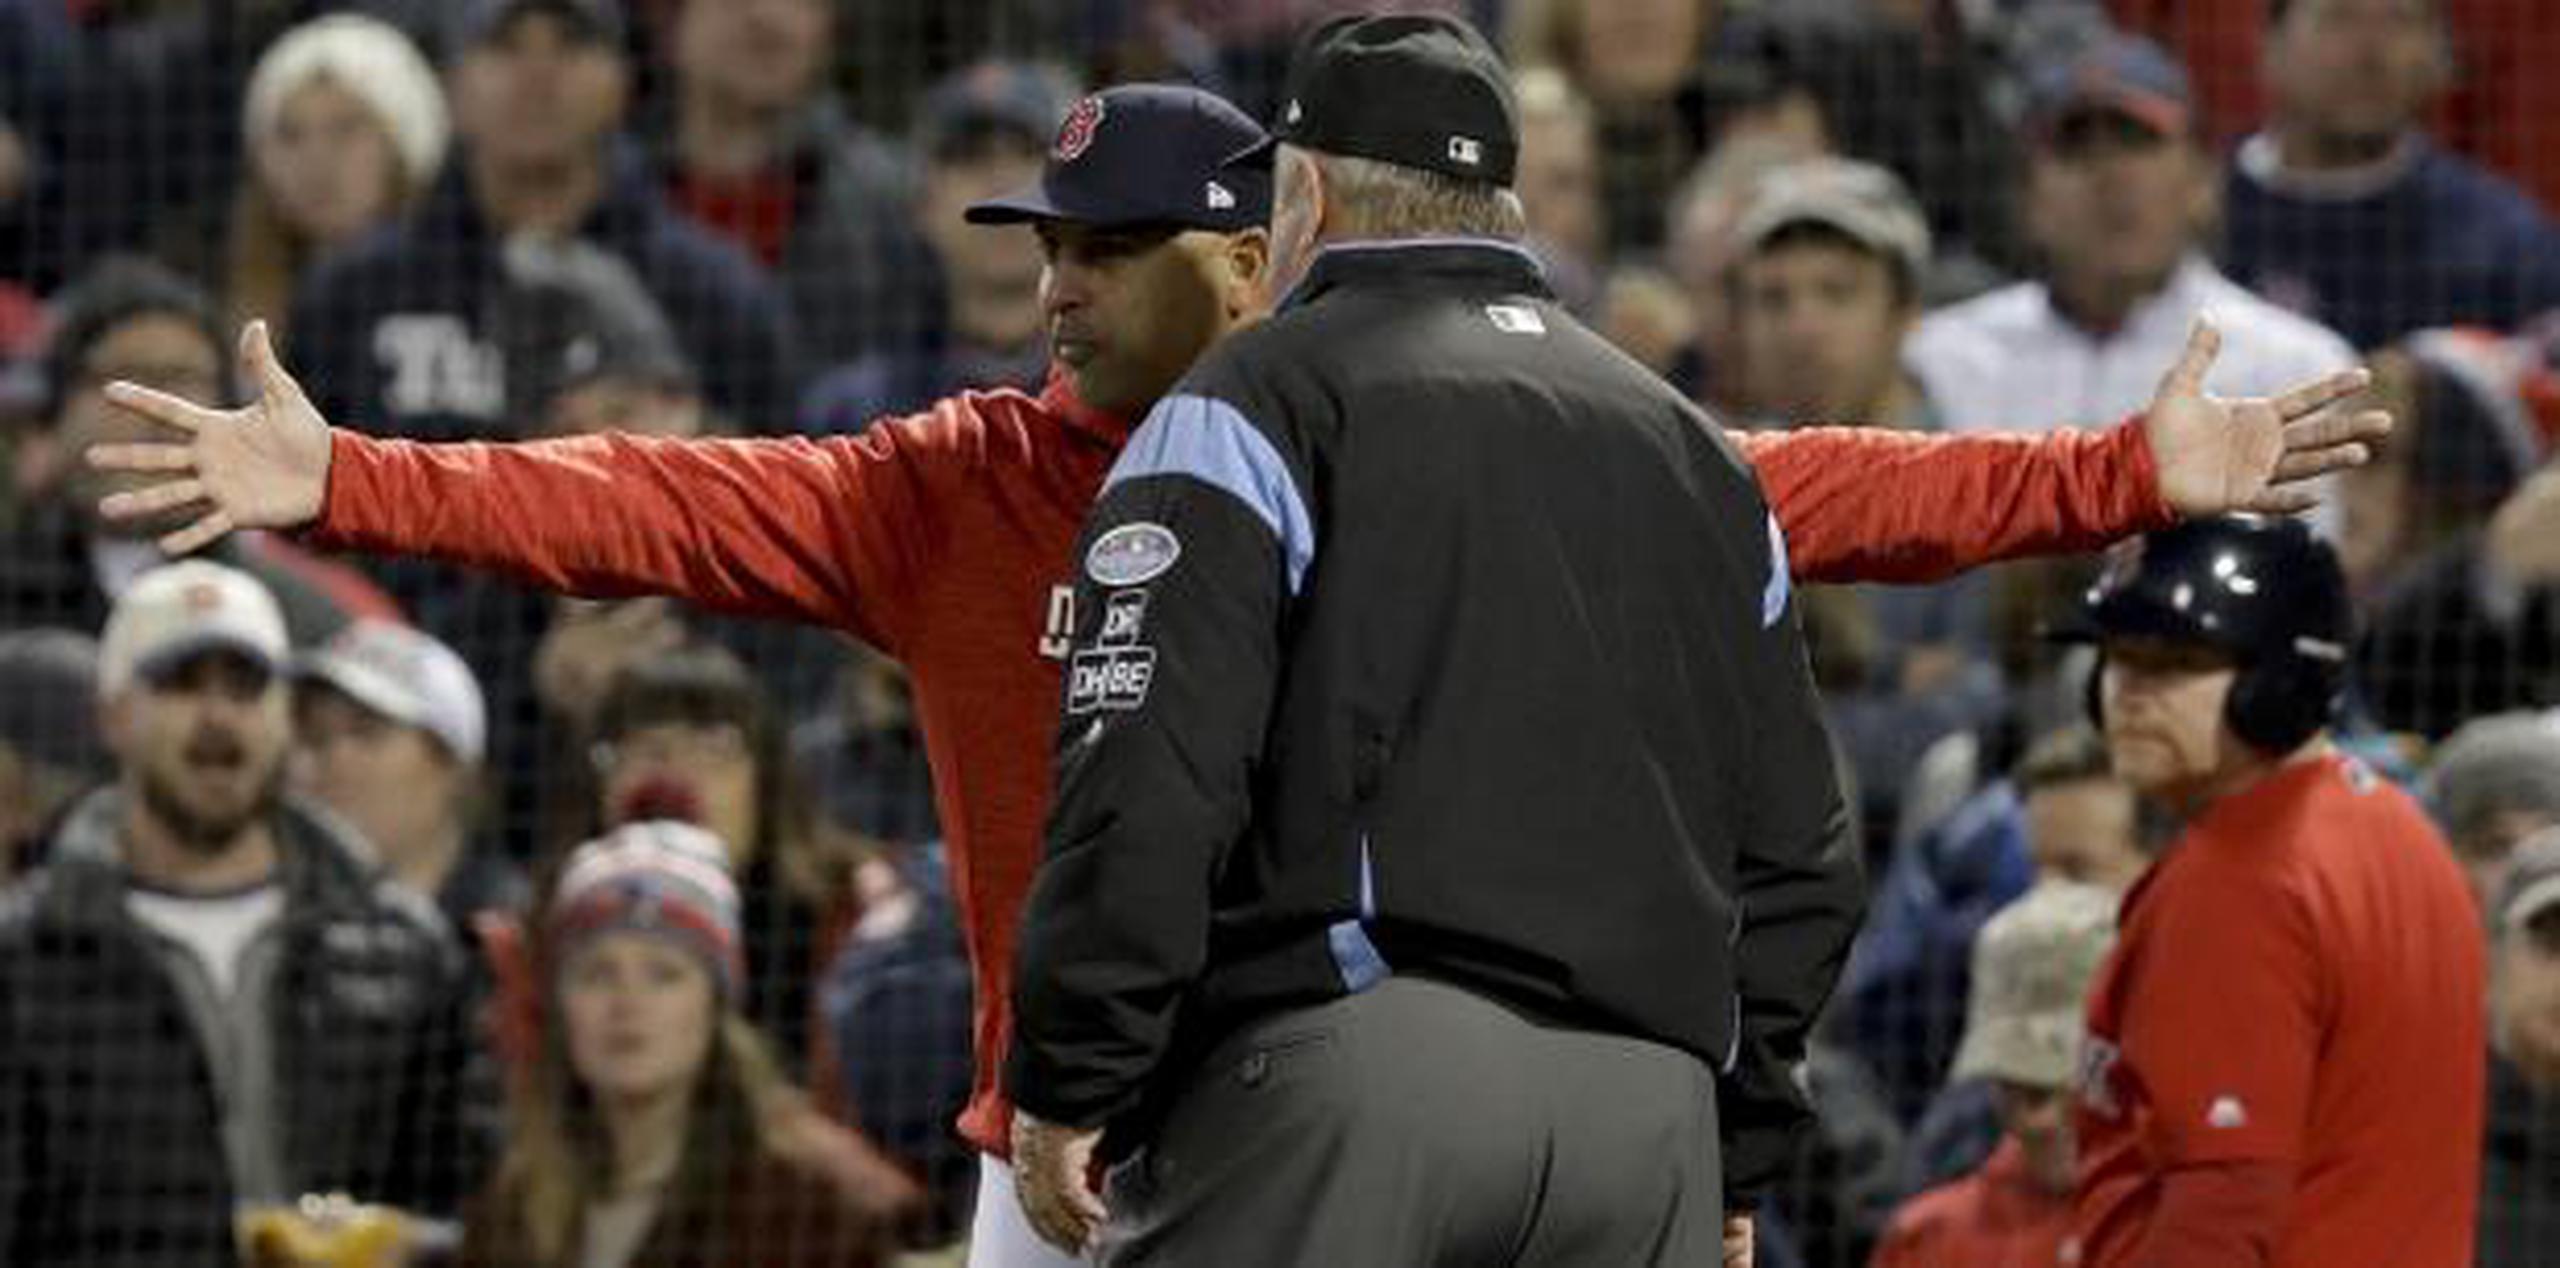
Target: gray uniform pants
{"x":1416,"y":1125}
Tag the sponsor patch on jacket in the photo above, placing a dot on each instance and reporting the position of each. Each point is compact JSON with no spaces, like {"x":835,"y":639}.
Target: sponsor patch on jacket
{"x":1132,"y":554}
{"x":1116,"y":671}
{"x":1113,"y":678}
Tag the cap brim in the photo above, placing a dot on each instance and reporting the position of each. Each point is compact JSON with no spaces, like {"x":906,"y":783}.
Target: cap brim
{"x":1019,"y":207}
{"x":178,"y":651}
{"x":2530,"y":901}
{"x":364,"y":685}
{"x":2163,"y":116}
{"x":1256,"y":157}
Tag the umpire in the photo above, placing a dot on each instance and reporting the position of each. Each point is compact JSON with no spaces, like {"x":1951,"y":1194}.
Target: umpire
{"x":1445,"y":866}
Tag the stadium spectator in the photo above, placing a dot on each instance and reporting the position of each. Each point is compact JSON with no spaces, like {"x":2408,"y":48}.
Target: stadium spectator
{"x":2023,"y":1038}
{"x":392,"y":733}
{"x":50,"y":750}
{"x":131,"y":113}
{"x":1703,"y":218}
{"x":2490,"y":786}
{"x":2056,"y":815}
{"x":2470,"y":427}
{"x":40,"y":78}
{"x":1915,"y":86}
{"x":2345,"y":209}
{"x":2520,"y":1172}
{"x":587,"y":349}
{"x":1560,"y":185}
{"x":211,"y":1001}
{"x":345,"y":126}
{"x":1641,"y":64}
{"x":2475,"y":629}
{"x":757,"y":146}
{"x":2119,"y":194}
{"x":692,"y":729}
{"x":2083,"y":824}
{"x":59,"y":563}
{"x":865,"y":756}
{"x":896,"y":1002}
{"x":2499,"y":108}
{"x":2238,"y":1106}
{"x":984,"y":130}
{"x":1832,"y":253}
{"x":2081,"y":827}
{"x":393,"y":330}
{"x":656,"y":1130}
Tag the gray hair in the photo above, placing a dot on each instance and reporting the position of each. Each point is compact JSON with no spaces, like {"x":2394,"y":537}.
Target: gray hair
{"x":1373,"y":199}
{"x":2509,"y":763}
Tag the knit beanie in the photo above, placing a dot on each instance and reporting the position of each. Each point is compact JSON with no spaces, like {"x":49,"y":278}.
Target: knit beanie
{"x":372,"y":61}
{"x":658,"y":877}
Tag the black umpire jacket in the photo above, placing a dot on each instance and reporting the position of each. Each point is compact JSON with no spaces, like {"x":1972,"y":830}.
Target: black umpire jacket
{"x":1419,"y":631}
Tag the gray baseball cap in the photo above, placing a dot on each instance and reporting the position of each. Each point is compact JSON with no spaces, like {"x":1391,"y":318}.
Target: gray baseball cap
{"x":2032,"y":967}
{"x":1862,"y":201}
{"x":2532,"y":887}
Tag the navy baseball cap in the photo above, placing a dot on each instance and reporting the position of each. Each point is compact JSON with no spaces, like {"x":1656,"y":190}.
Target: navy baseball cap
{"x":2117,"y":74}
{"x":1421,"y":90}
{"x":1144,"y":154}
{"x":1013,"y":98}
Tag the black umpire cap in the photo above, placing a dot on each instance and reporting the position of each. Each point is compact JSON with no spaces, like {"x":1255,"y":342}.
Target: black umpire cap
{"x":1418,"y":90}
{"x":1144,"y":154}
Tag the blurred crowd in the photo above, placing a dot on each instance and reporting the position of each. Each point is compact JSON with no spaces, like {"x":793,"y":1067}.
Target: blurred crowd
{"x":678,"y":217}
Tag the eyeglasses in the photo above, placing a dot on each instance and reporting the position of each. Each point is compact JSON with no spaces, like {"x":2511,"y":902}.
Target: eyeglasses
{"x":676,"y":746}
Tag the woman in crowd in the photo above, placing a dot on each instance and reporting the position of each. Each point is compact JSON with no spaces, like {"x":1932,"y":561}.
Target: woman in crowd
{"x":345,"y":127}
{"x":689,"y":733}
{"x":655,"y":1129}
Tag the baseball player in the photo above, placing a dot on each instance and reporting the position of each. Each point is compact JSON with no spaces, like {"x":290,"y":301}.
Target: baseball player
{"x":2284,"y":1063}
{"x":945,"y":537}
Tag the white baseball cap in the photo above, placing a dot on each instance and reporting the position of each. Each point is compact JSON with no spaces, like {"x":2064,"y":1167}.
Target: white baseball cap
{"x":181,"y":610}
{"x":407,"y":676}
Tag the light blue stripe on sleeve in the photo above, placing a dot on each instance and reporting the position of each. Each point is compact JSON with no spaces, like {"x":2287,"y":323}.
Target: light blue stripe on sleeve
{"x":1354,"y":955}
{"x":1773,"y":596}
{"x":1208,"y":440}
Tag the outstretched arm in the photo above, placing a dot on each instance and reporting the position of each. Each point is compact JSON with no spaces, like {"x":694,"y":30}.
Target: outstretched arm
{"x":1864,"y":504}
{"x":825,"y":531}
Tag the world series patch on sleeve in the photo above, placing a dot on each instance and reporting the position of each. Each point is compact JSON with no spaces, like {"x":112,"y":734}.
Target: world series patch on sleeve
{"x":1115,"y":672}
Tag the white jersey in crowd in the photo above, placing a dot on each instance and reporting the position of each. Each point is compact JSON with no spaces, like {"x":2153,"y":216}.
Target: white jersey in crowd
{"x":2008,"y":360}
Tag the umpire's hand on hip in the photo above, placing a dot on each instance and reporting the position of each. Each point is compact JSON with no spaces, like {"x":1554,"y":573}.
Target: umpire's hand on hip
{"x":1053,"y":1169}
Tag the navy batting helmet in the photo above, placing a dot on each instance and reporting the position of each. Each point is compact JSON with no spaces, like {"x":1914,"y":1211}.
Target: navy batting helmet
{"x":2263,"y":590}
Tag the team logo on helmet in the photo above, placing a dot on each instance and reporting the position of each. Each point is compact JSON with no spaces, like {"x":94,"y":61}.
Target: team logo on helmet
{"x":1076,"y":134}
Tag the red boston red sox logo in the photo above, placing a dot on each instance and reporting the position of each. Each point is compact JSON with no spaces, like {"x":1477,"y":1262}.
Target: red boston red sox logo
{"x":1077,"y":132}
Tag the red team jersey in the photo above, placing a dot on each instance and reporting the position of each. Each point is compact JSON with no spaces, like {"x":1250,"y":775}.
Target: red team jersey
{"x":945,"y":539}
{"x":2299,"y":980}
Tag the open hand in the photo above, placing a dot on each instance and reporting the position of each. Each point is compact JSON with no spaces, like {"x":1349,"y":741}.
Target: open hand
{"x":262,"y":466}
{"x":2219,"y":455}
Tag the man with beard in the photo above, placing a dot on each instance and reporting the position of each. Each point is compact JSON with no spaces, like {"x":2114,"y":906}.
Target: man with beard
{"x":945,"y":538}
{"x":209,"y":999}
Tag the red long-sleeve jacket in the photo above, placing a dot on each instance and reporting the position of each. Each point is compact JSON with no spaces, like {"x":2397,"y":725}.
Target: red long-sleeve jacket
{"x":944,"y":538}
